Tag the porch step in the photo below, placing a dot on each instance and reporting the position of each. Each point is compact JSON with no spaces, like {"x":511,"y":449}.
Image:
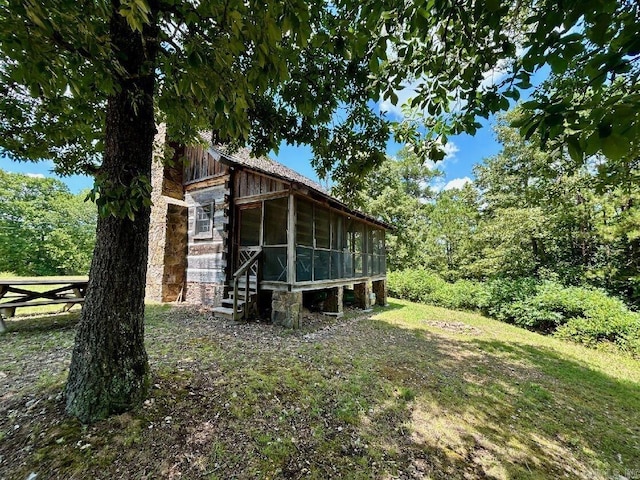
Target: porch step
{"x":252,"y":279}
{"x":228,"y":302}
{"x":252,"y":292}
{"x":225,"y":312}
{"x":245,"y":284}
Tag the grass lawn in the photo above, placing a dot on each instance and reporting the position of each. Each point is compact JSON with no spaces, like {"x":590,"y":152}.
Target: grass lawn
{"x":409,"y":391}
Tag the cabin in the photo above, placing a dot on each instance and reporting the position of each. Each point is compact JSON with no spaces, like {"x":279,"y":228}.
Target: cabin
{"x":249,"y":236}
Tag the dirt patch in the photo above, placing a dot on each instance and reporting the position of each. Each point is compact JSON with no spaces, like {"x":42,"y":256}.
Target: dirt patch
{"x":349,"y":397}
{"x":455,"y":327}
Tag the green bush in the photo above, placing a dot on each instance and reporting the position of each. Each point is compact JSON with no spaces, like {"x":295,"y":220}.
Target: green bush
{"x":584,"y":315}
{"x":419,"y":285}
{"x":619,"y":328}
{"x":502,"y":293}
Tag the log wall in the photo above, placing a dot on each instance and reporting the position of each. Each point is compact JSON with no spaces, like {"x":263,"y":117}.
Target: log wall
{"x":207,"y":257}
{"x":200,"y":165}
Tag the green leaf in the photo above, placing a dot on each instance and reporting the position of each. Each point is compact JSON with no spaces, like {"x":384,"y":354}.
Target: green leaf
{"x":614,"y":146}
{"x":574,"y":149}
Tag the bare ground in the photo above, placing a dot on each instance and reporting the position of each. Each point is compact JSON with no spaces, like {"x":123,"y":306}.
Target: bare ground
{"x":339,"y":398}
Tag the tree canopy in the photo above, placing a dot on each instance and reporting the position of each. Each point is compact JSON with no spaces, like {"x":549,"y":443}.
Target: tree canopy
{"x":44,"y":228}
{"x":84,"y":83}
{"x":470,"y":59}
{"x":304,"y":72}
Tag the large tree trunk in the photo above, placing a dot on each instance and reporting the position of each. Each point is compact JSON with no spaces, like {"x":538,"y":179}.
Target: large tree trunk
{"x":109,"y":369}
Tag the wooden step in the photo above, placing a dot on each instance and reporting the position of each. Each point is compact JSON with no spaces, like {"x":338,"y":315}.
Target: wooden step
{"x":225,"y":312}
{"x":229,"y":302}
{"x":252,"y":293}
{"x":252,"y":280}
{"x":241,"y":291}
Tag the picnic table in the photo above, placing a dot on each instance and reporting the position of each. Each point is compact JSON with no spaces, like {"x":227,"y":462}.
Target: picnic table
{"x":23,"y":292}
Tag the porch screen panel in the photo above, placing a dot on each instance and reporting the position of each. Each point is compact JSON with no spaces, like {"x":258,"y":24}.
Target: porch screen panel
{"x":347,"y":258}
{"x":304,"y":223}
{"x":275,"y":221}
{"x":304,"y":264}
{"x":322,"y":254}
{"x":250,"y":220}
{"x":337,"y":265}
{"x":337,"y":232}
{"x":357,"y":247}
{"x":274,"y":264}
{"x":322,"y":230}
{"x":378,"y":251}
{"x":338,"y":242}
{"x":321,"y":259}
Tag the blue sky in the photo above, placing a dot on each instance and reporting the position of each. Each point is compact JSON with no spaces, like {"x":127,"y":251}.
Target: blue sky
{"x":465,"y":152}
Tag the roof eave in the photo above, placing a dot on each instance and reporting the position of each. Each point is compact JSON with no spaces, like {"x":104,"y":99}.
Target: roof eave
{"x":229,"y":160}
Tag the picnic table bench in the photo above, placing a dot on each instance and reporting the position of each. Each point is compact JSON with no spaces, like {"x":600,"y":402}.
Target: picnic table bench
{"x":18,"y":292}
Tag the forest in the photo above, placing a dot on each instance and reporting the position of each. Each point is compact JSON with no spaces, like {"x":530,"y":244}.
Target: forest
{"x":44,"y":228}
{"x":537,"y":239}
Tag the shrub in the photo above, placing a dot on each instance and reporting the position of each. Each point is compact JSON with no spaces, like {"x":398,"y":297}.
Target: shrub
{"x":416,"y":285}
{"x":502,"y":293}
{"x":584,"y":315}
{"x":467,"y":294}
{"x":419,"y":285}
{"x":619,"y":328}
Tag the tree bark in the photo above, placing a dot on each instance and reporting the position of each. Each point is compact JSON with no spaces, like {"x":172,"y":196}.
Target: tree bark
{"x":109,"y":368}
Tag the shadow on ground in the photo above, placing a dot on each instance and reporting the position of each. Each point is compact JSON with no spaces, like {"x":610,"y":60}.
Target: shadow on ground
{"x":359,"y":398}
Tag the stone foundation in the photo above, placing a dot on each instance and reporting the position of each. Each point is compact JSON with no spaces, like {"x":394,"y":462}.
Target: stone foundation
{"x":286,"y":308}
{"x":380,"y":289}
{"x":204,"y":293}
{"x":362,"y":293}
{"x":334,"y":303}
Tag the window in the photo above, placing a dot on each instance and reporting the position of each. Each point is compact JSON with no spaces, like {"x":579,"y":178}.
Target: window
{"x":204,"y":220}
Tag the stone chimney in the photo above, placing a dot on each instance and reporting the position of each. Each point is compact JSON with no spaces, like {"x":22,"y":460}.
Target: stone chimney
{"x":167,"y":263}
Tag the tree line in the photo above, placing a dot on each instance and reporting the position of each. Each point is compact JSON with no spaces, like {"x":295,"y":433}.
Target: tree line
{"x":44,"y":228}
{"x":528,"y":213}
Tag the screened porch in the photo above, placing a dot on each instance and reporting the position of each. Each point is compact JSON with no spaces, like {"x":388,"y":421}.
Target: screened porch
{"x":306,"y":244}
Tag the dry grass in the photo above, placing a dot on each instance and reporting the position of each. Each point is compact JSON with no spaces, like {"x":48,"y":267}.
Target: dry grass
{"x":410,"y":392}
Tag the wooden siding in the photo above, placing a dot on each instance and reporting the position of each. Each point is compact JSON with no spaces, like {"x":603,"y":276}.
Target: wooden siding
{"x":199,"y":165}
{"x":207,"y":257}
{"x":249,"y":184}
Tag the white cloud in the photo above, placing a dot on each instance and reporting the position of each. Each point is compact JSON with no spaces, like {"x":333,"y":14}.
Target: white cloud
{"x":437,"y":185}
{"x":404,"y":95}
{"x":35,"y":175}
{"x":457,"y":183}
{"x":450,"y":150}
